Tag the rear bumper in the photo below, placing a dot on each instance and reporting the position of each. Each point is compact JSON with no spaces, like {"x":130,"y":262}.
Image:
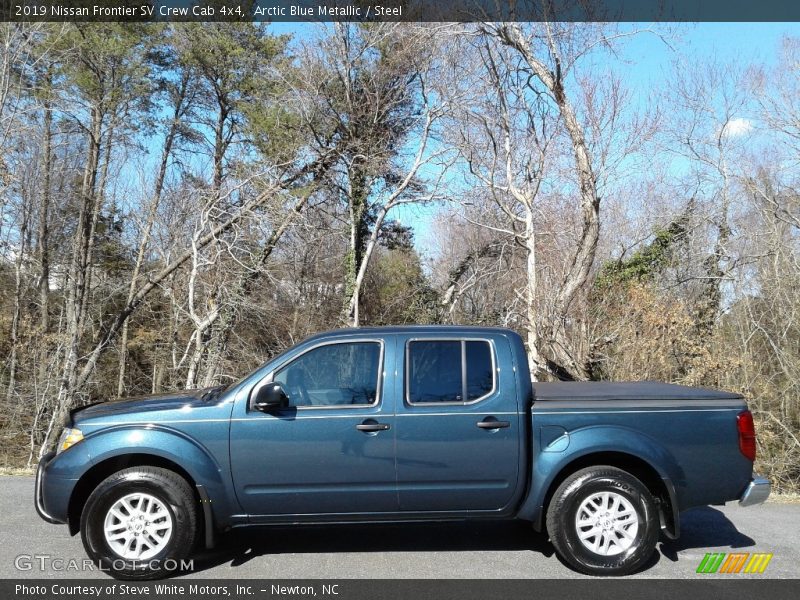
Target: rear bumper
{"x":756,"y":492}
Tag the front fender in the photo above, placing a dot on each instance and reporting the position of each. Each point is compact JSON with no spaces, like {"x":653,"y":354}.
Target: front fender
{"x":554,"y":456}
{"x":166,"y":443}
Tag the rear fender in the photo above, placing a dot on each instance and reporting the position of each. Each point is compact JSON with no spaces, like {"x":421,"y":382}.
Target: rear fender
{"x":563,"y":454}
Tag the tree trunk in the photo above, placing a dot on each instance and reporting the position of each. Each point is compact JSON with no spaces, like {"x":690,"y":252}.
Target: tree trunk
{"x":99,"y":201}
{"x":158,"y":187}
{"x":194,"y":362}
{"x":43,"y":237}
{"x":77,"y":279}
{"x":534,"y":358}
{"x":372,"y":242}
{"x":17,"y":312}
{"x":205,"y":328}
{"x":583,"y":258}
{"x":358,"y":233}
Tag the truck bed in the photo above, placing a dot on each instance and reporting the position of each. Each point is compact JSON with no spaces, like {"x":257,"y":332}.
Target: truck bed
{"x":592,"y":391}
{"x":688,"y":432}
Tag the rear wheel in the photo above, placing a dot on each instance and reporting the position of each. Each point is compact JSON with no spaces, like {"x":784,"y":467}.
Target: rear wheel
{"x":603,"y":521}
{"x":140,"y":523}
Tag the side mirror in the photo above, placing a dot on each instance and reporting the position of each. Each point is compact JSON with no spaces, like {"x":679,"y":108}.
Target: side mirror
{"x":270,"y":397}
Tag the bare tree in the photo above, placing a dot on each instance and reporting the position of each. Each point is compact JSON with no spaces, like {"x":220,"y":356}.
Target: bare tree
{"x":372,"y":110}
{"x":280,"y":180}
{"x":181,"y":98}
{"x":523,"y":112}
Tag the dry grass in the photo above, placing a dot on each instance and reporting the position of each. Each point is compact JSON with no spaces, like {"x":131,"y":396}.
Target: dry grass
{"x":785,"y":498}
{"x":16,"y":471}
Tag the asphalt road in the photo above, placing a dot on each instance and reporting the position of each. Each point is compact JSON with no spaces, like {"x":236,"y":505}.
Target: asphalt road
{"x":483,"y":550}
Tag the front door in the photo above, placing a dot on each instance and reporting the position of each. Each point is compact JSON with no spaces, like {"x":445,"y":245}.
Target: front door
{"x":332,"y":450}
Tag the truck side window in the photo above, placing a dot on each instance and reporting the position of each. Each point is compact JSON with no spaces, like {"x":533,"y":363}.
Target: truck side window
{"x":332,"y":375}
{"x":480,"y":378}
{"x":434,"y":371}
{"x":449,"y":371}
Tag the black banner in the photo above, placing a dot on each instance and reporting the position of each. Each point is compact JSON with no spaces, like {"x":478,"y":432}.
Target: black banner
{"x":394,"y":589}
{"x":400,"y":10}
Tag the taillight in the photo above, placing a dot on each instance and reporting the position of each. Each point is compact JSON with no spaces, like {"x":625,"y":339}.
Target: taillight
{"x":747,"y":434}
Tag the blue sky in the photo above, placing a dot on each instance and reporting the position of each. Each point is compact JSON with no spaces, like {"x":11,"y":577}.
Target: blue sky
{"x":746,"y":43}
{"x":646,"y":60}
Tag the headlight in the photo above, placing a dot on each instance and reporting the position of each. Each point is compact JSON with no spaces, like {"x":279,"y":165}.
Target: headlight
{"x":69,"y":437}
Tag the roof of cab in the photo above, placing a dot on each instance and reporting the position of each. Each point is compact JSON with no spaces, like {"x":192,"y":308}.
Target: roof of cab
{"x":401,"y":329}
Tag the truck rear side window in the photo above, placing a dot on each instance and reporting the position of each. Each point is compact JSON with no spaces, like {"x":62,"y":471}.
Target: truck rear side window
{"x":449,"y":371}
{"x":480,"y":378}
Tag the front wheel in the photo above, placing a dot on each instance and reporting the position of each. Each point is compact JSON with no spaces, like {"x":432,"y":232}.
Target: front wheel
{"x":140,"y":523}
{"x":603,"y":521}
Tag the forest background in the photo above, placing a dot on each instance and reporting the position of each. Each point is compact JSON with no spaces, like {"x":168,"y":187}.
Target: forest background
{"x":180,"y":202}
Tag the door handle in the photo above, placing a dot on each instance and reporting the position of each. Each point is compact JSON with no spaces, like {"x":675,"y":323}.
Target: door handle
{"x":492,"y":423}
{"x":373,"y":426}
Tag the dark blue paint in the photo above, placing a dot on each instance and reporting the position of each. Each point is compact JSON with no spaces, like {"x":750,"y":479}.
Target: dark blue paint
{"x":433,"y":462}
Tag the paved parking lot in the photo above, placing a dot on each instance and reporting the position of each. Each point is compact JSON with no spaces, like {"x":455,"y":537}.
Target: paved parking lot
{"x":483,"y":550}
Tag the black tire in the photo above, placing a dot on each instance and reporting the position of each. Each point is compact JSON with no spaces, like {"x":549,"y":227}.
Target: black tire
{"x":172,"y":490}
{"x":564,"y":531}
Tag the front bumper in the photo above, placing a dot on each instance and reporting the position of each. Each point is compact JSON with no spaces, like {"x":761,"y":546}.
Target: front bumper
{"x":757,"y":491}
{"x":39,"y":499}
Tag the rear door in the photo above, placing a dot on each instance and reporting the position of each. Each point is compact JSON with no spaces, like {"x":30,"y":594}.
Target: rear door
{"x":458,"y":428}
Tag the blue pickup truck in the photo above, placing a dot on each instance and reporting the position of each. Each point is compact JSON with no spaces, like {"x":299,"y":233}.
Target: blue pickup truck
{"x":398,"y":424}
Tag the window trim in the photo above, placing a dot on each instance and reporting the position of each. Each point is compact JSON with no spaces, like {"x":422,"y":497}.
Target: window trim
{"x":379,"y":390}
{"x":407,"y":369}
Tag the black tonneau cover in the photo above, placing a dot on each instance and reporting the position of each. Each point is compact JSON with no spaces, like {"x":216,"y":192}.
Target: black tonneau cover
{"x":635,"y":390}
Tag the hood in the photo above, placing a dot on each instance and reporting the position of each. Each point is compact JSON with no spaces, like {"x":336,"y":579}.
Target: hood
{"x":143,"y":405}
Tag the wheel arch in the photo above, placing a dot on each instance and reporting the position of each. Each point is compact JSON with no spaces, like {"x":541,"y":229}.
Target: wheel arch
{"x":113,"y":448}
{"x":659,"y":485}
{"x":103,"y":469}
